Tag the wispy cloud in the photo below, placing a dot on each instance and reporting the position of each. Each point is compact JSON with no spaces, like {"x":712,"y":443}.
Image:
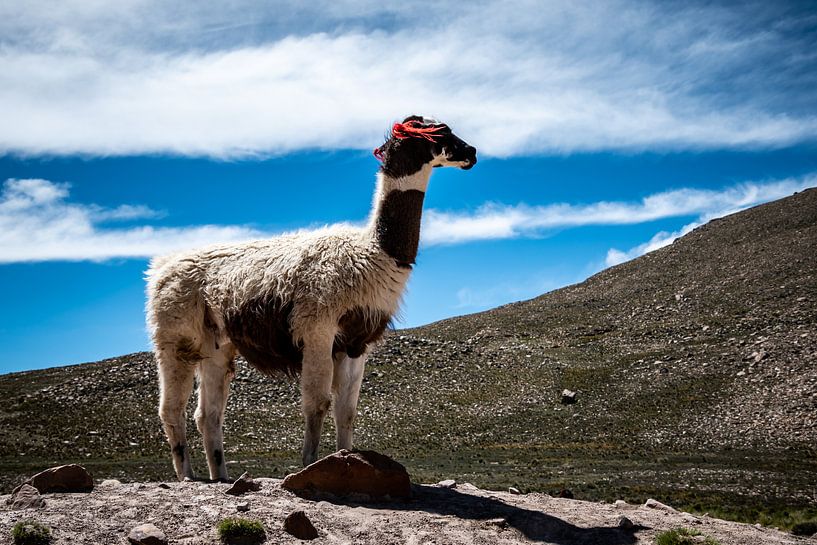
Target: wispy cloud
{"x":253,"y":78}
{"x":496,"y":221}
{"x":659,"y":240}
{"x":38,"y":223}
{"x":717,"y":209}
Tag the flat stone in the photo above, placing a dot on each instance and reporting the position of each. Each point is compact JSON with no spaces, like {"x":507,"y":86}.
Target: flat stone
{"x":655,"y":504}
{"x":68,"y":478}
{"x":242,"y":507}
{"x":363,"y":474}
{"x":299,"y":525}
{"x":448,"y":483}
{"x":25,"y":497}
{"x":242,"y":485}
{"x":147,"y":534}
{"x":514,"y":491}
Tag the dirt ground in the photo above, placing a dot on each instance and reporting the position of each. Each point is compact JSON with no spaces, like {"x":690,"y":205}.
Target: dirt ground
{"x":188,"y":514}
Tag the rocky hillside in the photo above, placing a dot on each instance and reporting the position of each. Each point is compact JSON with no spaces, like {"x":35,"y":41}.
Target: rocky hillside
{"x":695,"y":369}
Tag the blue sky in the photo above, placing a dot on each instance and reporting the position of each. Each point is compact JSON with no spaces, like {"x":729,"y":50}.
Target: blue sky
{"x":604,"y":129}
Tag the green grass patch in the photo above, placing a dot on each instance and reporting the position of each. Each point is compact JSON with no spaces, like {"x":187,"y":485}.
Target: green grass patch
{"x":682,"y":536}
{"x":239,"y":531}
{"x":31,"y":532}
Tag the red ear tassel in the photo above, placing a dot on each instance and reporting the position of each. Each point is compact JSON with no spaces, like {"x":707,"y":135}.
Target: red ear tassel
{"x":414,"y":129}
{"x":378,"y":152}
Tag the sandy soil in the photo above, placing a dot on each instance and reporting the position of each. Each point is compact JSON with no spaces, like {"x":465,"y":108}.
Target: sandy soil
{"x":189,"y":512}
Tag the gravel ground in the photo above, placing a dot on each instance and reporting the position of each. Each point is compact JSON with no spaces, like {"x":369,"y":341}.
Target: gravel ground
{"x":188,"y":513}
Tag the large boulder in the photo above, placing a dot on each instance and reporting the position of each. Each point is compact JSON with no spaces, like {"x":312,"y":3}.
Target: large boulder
{"x":360,"y":475}
{"x":68,"y":478}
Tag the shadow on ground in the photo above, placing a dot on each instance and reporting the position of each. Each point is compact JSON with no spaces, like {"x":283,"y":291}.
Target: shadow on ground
{"x":534,"y":525}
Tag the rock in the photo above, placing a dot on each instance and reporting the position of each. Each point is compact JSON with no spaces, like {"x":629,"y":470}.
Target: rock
{"x":242,"y":507}
{"x":625,"y":523}
{"x":110,"y":482}
{"x":654,"y":504}
{"x":68,"y":478}
{"x":365,"y":474}
{"x":500,"y":523}
{"x":620,"y":504}
{"x":25,"y":497}
{"x":147,"y":534}
{"x":565,"y":493}
{"x":242,"y":485}
{"x":448,"y":483}
{"x":299,"y":525}
{"x":164,"y":486}
{"x":568,"y":397}
{"x":513,"y":490}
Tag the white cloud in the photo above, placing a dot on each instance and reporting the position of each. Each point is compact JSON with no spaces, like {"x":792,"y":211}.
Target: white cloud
{"x":38,"y":223}
{"x":659,"y":240}
{"x":727,"y":203}
{"x":494,"y":221}
{"x":251,"y":78}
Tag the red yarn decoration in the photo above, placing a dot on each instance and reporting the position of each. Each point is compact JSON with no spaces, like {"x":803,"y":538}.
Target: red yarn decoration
{"x":415,"y":129}
{"x":411,"y":129}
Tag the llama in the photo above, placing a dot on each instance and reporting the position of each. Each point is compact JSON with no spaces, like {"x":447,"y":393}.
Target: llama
{"x":308,"y":303}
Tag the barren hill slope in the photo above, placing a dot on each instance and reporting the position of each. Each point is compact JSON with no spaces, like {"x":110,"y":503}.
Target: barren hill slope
{"x":695,"y":368}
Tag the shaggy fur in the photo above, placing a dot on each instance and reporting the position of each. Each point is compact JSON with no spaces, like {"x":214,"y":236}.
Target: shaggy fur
{"x":310,"y":302}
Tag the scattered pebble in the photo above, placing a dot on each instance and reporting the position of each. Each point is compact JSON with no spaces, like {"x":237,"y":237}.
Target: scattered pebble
{"x":299,"y":525}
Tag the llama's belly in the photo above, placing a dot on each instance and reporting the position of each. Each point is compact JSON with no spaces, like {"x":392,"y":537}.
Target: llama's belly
{"x":260,"y":330}
{"x":261,"y":333}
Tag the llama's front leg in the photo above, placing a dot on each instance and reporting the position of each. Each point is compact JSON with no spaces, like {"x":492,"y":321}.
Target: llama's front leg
{"x":175,"y":387}
{"x":316,"y":388}
{"x":215,"y":375}
{"x":346,"y":384}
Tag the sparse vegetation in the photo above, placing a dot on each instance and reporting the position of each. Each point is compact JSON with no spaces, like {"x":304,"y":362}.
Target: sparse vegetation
{"x":808,"y":528}
{"x":31,"y":532}
{"x":683,"y":536}
{"x":241,"y":531}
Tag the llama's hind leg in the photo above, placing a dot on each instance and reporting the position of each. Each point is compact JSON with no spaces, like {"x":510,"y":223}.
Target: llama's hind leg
{"x":346,"y":385}
{"x":175,"y":387}
{"x":216,"y":371}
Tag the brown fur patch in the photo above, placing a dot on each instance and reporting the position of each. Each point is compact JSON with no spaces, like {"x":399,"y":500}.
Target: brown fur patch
{"x":398,"y":225}
{"x":356,"y":332}
{"x":261,"y":332}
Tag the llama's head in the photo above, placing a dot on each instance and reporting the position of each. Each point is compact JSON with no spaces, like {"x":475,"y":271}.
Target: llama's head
{"x":420,"y":141}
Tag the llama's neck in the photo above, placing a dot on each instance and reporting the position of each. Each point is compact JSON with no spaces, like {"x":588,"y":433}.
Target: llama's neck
{"x":396,"y":215}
